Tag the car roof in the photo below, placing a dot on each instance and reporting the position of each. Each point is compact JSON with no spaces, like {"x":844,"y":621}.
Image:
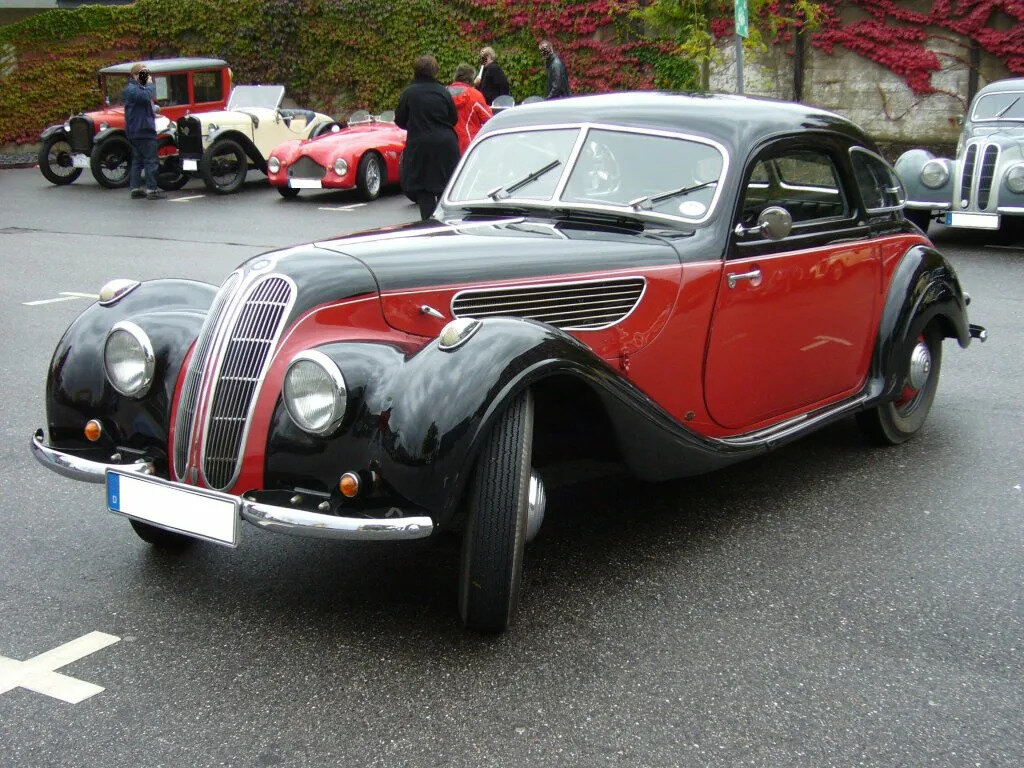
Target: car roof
{"x":157,"y":66}
{"x":1010,"y":84}
{"x":740,"y":121}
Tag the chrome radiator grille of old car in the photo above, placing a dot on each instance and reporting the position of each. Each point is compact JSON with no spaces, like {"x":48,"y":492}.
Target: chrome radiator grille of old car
{"x":587,"y":305}
{"x":227,"y":368}
{"x":306,"y":168}
{"x":978,"y":175}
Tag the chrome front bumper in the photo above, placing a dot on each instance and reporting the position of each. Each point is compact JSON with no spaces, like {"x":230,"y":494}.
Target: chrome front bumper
{"x":269,"y":517}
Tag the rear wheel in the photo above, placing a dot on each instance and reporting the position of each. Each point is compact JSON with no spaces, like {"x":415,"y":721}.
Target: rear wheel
{"x":55,"y":160}
{"x":370,"y":176}
{"x":496,"y":524}
{"x":160,"y":538}
{"x":110,"y":162}
{"x":224,"y":166}
{"x":899,"y":420}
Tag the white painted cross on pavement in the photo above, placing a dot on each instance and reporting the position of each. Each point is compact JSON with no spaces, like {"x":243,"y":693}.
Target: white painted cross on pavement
{"x":37,"y":674}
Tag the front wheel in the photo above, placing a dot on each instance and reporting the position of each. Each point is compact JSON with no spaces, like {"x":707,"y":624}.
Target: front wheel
{"x":496,"y":524}
{"x":370,"y":176}
{"x":110,"y":162}
{"x":55,"y":160}
{"x":288,"y":193}
{"x":160,"y":538}
{"x":169,"y":175}
{"x":899,"y":420}
{"x":224,"y":166}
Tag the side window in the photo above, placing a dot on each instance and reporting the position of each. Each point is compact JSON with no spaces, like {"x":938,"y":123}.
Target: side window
{"x":207,"y":86}
{"x":879,"y":186}
{"x":171,"y":90}
{"x":804,"y":182}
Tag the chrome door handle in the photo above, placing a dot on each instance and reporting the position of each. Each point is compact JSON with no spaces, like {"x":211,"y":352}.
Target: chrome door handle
{"x":754,"y":276}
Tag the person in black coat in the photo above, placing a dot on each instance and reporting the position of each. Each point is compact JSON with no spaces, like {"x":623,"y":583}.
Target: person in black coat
{"x":427,"y":113}
{"x":558,"y":77}
{"x":491,"y":81}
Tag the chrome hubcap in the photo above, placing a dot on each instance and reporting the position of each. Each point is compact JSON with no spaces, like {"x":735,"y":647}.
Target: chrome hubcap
{"x":920,"y":366}
{"x":537,"y":502}
{"x":373,"y":178}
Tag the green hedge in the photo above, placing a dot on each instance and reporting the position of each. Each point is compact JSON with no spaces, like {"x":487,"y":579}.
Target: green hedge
{"x":332,"y":55}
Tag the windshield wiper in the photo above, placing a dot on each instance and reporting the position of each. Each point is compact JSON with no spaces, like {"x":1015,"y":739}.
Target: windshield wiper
{"x":500,"y":193}
{"x":648,"y":202}
{"x":1008,"y":107}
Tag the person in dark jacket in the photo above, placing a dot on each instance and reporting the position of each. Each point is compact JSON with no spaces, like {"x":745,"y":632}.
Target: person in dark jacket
{"x":427,"y":113}
{"x":491,"y":81}
{"x":140,"y":126}
{"x":558,"y":78}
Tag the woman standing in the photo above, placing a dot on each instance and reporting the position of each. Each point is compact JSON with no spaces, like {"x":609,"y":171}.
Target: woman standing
{"x":427,"y":113}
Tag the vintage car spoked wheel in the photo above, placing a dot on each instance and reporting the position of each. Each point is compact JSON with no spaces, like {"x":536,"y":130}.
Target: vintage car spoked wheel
{"x":496,"y":524}
{"x":288,"y":193}
{"x":160,"y":538}
{"x":224,"y":166}
{"x":921,"y":218}
{"x":169,"y":174}
{"x":370,"y":176}
{"x":898,"y":420}
{"x":110,"y":162}
{"x":55,"y":160}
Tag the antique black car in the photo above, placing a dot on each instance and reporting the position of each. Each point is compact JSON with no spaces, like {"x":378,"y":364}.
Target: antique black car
{"x":677,"y":283}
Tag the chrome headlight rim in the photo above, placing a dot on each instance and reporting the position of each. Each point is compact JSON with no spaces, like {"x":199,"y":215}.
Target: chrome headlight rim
{"x":1015,"y":179}
{"x":457,"y":332}
{"x":339,"y":393}
{"x":340,"y":166}
{"x":148,"y":359}
{"x":935,"y":173}
{"x":273,"y":164}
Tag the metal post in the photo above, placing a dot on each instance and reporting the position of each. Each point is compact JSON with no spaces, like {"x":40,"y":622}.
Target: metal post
{"x":739,"y":64}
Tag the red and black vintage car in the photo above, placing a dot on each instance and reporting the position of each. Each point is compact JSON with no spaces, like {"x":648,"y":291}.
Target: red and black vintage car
{"x":676,"y":282}
{"x":97,"y":140}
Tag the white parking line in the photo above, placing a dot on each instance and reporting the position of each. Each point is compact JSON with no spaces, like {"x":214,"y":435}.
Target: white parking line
{"x":37,"y":674}
{"x":64,"y":296}
{"x":343,"y":207}
{"x":184,"y":199}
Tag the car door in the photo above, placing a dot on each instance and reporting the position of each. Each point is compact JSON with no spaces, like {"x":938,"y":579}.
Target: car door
{"x":794,"y":318}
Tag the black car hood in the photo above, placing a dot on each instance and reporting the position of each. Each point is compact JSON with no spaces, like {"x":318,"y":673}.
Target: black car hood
{"x":435,"y":253}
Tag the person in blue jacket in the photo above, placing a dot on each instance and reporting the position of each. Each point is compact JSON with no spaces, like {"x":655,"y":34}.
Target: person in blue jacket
{"x":140,"y":126}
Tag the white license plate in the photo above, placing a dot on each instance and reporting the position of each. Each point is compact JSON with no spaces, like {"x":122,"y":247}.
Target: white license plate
{"x":305,"y":184}
{"x":972,"y":220}
{"x":80,"y":161}
{"x":193,"y":511}
{"x":190,"y":165}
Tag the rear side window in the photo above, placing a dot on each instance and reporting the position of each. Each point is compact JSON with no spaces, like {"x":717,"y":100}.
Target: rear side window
{"x":171,"y":90}
{"x":207,"y":86}
{"x":879,"y":186}
{"x":804,"y":182}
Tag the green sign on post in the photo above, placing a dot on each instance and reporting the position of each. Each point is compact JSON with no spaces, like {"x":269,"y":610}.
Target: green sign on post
{"x":742,"y":27}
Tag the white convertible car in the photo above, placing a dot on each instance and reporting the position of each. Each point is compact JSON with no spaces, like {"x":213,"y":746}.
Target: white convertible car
{"x":222,"y":146}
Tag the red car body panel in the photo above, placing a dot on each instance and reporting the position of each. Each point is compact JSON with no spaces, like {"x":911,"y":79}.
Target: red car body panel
{"x":386,"y":139}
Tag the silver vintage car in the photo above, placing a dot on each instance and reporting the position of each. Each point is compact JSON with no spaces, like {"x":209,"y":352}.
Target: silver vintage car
{"x":983,"y":186}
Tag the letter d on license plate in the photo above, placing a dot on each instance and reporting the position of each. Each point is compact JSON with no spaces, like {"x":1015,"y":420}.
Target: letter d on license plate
{"x":181,"y":508}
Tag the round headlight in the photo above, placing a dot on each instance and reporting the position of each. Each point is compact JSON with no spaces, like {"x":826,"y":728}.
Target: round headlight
{"x":340,"y":166}
{"x":128,"y":359}
{"x":457,"y":332}
{"x":1015,"y":179}
{"x":211,"y":129}
{"x":67,"y":126}
{"x":273,"y":164}
{"x":314,"y":393}
{"x":104,"y":126}
{"x":935,"y":173}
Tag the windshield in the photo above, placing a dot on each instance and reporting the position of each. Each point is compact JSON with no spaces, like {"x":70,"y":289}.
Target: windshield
{"x":266,"y":96}
{"x":587,"y":167}
{"x":1000,"y":106}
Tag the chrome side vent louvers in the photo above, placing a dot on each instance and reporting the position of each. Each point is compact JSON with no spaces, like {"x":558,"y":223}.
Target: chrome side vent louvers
{"x":245,"y":354}
{"x":184,"y":422}
{"x":588,"y":305}
{"x":986,"y":175}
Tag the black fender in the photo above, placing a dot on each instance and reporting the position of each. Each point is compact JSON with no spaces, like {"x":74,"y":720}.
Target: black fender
{"x":171,"y":312}
{"x":417,"y":422}
{"x":106,"y":134}
{"x":924,"y":288}
{"x":251,"y":151}
{"x":50,"y":130}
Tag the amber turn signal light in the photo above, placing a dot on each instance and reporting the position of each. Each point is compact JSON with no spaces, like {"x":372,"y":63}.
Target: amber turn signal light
{"x":349,"y":484}
{"x":93,"y":430}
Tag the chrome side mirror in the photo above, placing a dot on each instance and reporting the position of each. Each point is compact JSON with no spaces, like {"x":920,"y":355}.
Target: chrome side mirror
{"x":775,"y":223}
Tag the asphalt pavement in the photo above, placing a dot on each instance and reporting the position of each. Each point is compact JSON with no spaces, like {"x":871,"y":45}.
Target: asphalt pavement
{"x":830,"y":604}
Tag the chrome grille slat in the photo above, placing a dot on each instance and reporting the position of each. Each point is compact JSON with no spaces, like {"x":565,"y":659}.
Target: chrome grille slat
{"x":246,"y":351}
{"x":967,"y":180}
{"x":184,"y":422}
{"x":570,"y":306}
{"x":986,"y":175}
{"x":306,"y":168}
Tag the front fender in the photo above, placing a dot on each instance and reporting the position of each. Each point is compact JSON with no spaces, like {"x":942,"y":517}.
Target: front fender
{"x":924,"y":288}
{"x":908,"y":167}
{"x":106,"y":134}
{"x":171,"y":312}
{"x":51,"y":130}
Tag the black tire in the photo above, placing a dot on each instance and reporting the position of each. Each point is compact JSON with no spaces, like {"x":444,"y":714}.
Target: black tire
{"x":55,"y":160}
{"x":169,"y":175}
{"x":224,"y":166}
{"x":496,"y":514}
{"x":288,"y":193}
{"x":371,"y":176}
{"x":921,"y":218}
{"x":111,"y":161}
{"x":899,"y":420}
{"x":159,"y":537}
